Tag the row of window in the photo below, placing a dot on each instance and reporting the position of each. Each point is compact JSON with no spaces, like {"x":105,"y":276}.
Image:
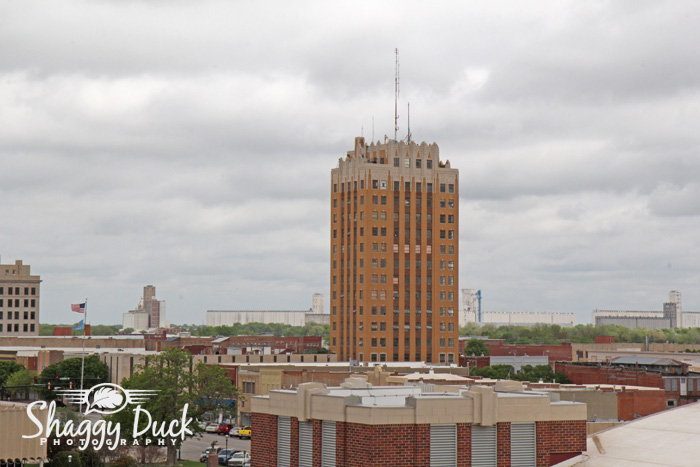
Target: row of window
{"x":382,"y":185}
{"x":27,"y":302}
{"x":381,"y":248}
{"x":380,"y":326}
{"x":381,"y":295}
{"x":16,"y":290}
{"x":382,"y":232}
{"x":444,"y":311}
{"x":444,"y":265}
{"x":15,"y":328}
{"x":377,"y":200}
{"x":381,"y":357}
{"x":26,"y":315}
{"x":380,"y":342}
{"x":382,"y":216}
{"x":407,"y":163}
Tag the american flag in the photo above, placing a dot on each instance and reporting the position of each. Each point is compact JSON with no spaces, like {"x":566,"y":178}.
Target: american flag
{"x":78,"y":308}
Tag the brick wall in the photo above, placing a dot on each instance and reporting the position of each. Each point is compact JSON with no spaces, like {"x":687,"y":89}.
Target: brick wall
{"x":384,"y":445}
{"x":635,"y":403}
{"x":263,"y":444}
{"x":585,"y":374}
{"x":318,"y":433}
{"x":464,"y":445}
{"x":294,"y":443}
{"x":554,"y":352}
{"x":401,"y":445}
{"x":503,"y":444}
{"x":559,"y":441}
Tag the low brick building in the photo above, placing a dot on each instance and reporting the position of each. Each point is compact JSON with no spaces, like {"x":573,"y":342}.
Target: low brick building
{"x":561,"y":352}
{"x":402,"y":426}
{"x":681,"y":386}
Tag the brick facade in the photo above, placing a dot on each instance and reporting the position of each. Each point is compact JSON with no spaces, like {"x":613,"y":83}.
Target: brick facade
{"x":558,"y":441}
{"x":294,"y":443}
{"x":585,"y":374}
{"x":503,"y":444}
{"x":464,"y":445}
{"x":263,"y":446}
{"x":404,"y":445}
{"x":384,"y":445}
{"x":318,"y":431}
{"x":561,"y":352}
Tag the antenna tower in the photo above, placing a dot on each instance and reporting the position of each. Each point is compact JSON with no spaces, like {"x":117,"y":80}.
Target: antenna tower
{"x":408,"y":136}
{"x":396,"y":95}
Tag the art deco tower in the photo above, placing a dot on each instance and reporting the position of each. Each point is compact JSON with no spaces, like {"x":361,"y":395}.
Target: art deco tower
{"x":394,"y":254}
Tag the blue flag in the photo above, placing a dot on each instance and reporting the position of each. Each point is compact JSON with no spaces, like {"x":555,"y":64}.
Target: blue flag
{"x":78,"y":326}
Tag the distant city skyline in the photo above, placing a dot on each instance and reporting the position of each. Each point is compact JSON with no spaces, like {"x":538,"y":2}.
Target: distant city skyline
{"x":188,"y":146}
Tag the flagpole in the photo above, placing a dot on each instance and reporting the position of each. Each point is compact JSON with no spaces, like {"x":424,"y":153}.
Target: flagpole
{"x":82,"y":363}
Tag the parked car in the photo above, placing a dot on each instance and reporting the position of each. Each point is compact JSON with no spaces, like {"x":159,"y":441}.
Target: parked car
{"x":224,"y":429}
{"x":211,"y":427}
{"x":244,"y":433}
{"x":224,"y":454}
{"x":239,"y":459}
{"x":205,"y":453}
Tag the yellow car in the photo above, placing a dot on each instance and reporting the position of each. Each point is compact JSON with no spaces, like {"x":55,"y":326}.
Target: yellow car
{"x":244,"y":433}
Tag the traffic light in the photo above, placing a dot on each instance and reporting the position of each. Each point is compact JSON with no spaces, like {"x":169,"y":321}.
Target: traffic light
{"x":71,"y":385}
{"x":48,"y":385}
{"x":36,"y":380}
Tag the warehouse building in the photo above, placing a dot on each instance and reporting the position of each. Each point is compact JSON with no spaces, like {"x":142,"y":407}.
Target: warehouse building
{"x":360,"y":425}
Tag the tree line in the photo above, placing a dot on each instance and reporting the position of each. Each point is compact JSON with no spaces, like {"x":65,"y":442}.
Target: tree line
{"x":579,"y":334}
{"x":238,"y":329}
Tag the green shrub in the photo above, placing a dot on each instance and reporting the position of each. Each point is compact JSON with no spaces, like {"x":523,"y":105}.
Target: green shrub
{"x":90,"y":458}
{"x":125,"y":461}
{"x":66,"y":459}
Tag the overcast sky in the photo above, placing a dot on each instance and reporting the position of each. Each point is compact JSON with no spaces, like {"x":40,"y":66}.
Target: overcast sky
{"x":189,"y":144}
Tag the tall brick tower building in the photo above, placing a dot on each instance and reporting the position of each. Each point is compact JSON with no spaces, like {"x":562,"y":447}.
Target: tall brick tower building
{"x":394,"y":254}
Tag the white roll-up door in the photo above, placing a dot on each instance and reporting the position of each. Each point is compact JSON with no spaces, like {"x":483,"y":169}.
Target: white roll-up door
{"x":284,"y":434}
{"x":523,"y":451}
{"x":484,"y":446}
{"x":328,"y":444}
{"x":306,"y":444}
{"x":443,"y":445}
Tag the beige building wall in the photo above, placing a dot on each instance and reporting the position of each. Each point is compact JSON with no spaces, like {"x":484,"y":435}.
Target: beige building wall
{"x":19,"y":300}
{"x":14,"y":422}
{"x":480,"y":405}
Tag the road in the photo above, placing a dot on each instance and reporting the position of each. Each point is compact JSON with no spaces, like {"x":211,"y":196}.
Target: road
{"x":193,"y":447}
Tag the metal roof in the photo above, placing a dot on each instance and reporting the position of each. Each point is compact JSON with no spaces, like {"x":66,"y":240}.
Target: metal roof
{"x":645,"y":361}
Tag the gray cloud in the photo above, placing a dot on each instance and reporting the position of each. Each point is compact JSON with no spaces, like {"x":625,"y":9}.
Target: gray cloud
{"x":189,"y":145}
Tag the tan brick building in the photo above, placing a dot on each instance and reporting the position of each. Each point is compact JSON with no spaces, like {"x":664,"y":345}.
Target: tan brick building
{"x":394,"y":254}
{"x":19,"y":300}
{"x":402,"y":426}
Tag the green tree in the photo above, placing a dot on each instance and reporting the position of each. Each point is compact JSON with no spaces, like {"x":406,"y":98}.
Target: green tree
{"x":6,"y":369}
{"x":66,"y":459}
{"x":95,"y":372}
{"x":19,"y":378}
{"x":215,"y":391}
{"x":493,"y":372}
{"x":171,"y":374}
{"x":476,"y":347}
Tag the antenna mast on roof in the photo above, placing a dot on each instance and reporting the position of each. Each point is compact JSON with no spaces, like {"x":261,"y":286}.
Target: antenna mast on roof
{"x":408,"y":136}
{"x":396,"y":95}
